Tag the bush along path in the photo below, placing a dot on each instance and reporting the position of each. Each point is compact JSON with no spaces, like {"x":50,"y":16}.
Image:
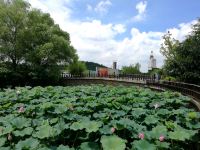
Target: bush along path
{"x":96,"y":117}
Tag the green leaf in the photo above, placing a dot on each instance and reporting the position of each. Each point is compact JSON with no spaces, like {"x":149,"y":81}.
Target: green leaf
{"x":105,"y":130}
{"x":6,"y":130}
{"x":2,"y":141}
{"x":90,"y":126}
{"x":20,"y":122}
{"x":158,"y":131}
{"x":5,"y":148}
{"x":30,"y":143}
{"x":113,"y":143}
{"x":181,"y":134}
{"x":62,"y":147}
{"x":192,"y":115}
{"x":89,"y":146}
{"x":162,"y":144}
{"x":44,"y":131}
{"x":26,"y":131}
{"x":192,"y":125}
{"x":137,"y":112}
{"x":77,"y":126}
{"x":60,"y":109}
{"x":60,"y":126}
{"x":143,"y":145}
{"x":151,"y":119}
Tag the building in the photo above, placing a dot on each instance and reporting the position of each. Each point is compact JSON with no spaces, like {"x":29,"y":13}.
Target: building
{"x":105,"y":72}
{"x":152,"y":62}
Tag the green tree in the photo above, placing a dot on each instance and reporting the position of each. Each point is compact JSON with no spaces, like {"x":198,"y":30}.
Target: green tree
{"x":182,"y":59}
{"x":13,"y":18}
{"x":132,"y":69}
{"x":31,"y":44}
{"x":77,"y":68}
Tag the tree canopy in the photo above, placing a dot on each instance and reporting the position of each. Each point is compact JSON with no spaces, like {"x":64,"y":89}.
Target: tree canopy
{"x":132,"y":69}
{"x":77,"y":68}
{"x":183,"y":58}
{"x":31,"y":44}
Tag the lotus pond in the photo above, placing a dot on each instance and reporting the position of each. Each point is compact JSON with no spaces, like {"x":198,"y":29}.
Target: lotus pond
{"x":96,"y":117}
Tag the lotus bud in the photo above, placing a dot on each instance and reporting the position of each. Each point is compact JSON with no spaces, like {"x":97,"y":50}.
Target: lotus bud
{"x":112,"y":129}
{"x":141,"y":136}
{"x":21,"y":109}
{"x":9,"y":137}
{"x":161,"y":138}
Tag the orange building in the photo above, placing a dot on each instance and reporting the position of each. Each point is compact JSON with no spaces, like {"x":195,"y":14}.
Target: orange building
{"x":103,"y":72}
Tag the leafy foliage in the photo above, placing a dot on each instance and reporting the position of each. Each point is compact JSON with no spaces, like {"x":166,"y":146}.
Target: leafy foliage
{"x":132,"y":69}
{"x":77,"y":68}
{"x":32,"y":46}
{"x":96,"y":117}
{"x":182,"y":58}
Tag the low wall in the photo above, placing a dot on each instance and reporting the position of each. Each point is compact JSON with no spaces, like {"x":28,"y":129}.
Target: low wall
{"x":104,"y":81}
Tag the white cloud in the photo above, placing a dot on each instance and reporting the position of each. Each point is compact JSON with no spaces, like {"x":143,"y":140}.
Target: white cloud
{"x":182,"y":30}
{"x":59,"y":9}
{"x":119,"y":28}
{"x":141,"y":9}
{"x":89,"y":7}
{"x":102,"y":6}
{"x":97,"y":42}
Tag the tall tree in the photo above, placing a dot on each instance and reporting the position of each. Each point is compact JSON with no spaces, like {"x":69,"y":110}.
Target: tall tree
{"x":182,"y":58}
{"x":13,"y":19}
{"x":31,"y":39}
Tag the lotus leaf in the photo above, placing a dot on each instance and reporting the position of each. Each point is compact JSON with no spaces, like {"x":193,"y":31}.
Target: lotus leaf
{"x":2,"y":141}
{"x":162,"y":144}
{"x":89,"y":146}
{"x":62,"y":147}
{"x":30,"y":143}
{"x":20,"y":122}
{"x":181,"y":134}
{"x":151,"y":119}
{"x":143,"y":145}
{"x":5,"y":148}
{"x":26,"y":131}
{"x":113,"y":143}
{"x":96,"y":117}
{"x":90,"y":126}
{"x":158,"y":131}
{"x":6,"y":130}
{"x":44,"y":131}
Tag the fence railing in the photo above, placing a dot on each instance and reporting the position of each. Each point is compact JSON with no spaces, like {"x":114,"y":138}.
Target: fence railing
{"x":143,"y":77}
{"x":185,"y":88}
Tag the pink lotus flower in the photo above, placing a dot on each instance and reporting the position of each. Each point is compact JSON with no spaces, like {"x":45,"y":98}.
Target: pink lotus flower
{"x":161,"y":138}
{"x":141,"y":136}
{"x":112,"y":129}
{"x":9,"y":137}
{"x":21,"y":109}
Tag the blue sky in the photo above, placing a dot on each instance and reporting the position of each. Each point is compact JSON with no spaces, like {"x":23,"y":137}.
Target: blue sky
{"x":125,"y":31}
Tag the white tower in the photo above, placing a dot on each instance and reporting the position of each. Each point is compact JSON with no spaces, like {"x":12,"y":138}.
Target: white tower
{"x":152,"y":62}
